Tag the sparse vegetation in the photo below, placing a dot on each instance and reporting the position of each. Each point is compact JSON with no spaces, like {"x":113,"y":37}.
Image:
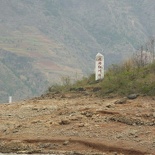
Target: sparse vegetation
{"x":128,"y":78}
{"x":122,"y":79}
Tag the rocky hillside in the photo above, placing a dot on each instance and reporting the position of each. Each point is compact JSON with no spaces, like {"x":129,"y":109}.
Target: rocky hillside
{"x":56,"y":38}
{"x":19,"y":78}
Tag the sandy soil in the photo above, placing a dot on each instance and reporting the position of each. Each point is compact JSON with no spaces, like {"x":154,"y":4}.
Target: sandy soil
{"x":77,"y":124}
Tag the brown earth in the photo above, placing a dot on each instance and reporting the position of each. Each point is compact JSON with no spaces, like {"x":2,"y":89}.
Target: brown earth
{"x":78,"y":123}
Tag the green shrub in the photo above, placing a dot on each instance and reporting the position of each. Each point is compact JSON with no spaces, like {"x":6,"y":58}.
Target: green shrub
{"x":123,"y":80}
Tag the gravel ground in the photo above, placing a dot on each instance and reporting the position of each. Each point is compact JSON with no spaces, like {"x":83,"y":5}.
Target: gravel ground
{"x":77,"y":124}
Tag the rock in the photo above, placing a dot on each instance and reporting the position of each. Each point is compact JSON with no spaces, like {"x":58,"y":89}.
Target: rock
{"x":36,"y":122}
{"x":76,"y":118}
{"x":80,"y":125}
{"x":121,"y":101}
{"x":77,"y":89}
{"x":66,"y":142}
{"x":62,"y":96}
{"x":132,"y":96}
{"x":119,"y":136}
{"x":109,"y":105}
{"x":80,"y":89}
{"x":4,"y":130}
{"x":153,"y":98}
{"x":42,"y":145}
{"x":22,"y":152}
{"x":72,"y":89}
{"x":154,"y":114}
{"x":87,"y":113}
{"x":96,"y":89}
{"x":15,"y":131}
{"x":64,"y":122}
{"x":132,"y":132}
{"x":75,"y":153}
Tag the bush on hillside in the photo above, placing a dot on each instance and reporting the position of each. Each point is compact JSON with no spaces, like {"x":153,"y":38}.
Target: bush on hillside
{"x":128,"y":78}
{"x":122,"y":79}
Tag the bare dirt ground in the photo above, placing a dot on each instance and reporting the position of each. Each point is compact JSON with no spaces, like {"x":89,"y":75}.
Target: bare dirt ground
{"x":79,"y":124}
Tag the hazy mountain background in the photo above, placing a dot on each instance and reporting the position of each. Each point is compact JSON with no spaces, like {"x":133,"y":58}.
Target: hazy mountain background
{"x":43,"y":40}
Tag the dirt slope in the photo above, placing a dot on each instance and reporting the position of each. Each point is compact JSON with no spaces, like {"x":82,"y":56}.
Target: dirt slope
{"x":79,"y":124}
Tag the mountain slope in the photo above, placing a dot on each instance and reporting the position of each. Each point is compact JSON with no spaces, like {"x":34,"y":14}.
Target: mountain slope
{"x":19,"y":78}
{"x":63,"y":37}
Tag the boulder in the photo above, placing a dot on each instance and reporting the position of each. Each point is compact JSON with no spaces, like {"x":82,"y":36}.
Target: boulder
{"x":132,"y":96}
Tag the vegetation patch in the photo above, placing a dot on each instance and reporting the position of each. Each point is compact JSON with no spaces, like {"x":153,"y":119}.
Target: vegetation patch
{"x":122,"y":79}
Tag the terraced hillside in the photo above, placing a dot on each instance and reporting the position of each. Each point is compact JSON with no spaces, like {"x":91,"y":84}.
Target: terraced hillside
{"x":61,"y":38}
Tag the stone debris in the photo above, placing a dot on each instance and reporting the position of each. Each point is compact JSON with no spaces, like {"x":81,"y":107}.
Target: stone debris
{"x":121,"y":101}
{"x":83,"y":125}
{"x":64,"y":122}
{"x":66,"y":142}
{"x":132,"y":96}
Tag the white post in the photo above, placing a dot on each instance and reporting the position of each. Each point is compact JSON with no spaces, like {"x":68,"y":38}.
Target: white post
{"x":99,"y":67}
{"x":10,"y":99}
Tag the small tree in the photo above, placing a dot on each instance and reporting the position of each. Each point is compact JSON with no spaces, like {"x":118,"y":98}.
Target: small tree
{"x":142,"y":58}
{"x":66,"y":81}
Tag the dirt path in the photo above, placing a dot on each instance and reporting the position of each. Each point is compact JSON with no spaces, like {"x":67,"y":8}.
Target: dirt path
{"x":79,"y":124}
